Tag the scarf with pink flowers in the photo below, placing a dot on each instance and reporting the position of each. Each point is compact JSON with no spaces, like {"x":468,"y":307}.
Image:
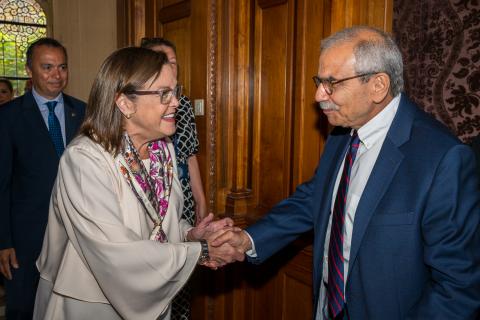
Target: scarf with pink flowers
{"x":156,"y":184}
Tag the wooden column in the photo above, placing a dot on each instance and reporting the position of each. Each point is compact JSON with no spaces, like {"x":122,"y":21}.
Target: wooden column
{"x":236,"y":52}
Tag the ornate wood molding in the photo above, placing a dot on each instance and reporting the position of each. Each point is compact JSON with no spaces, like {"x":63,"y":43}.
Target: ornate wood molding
{"x":239,"y":58}
{"x":212,"y":104}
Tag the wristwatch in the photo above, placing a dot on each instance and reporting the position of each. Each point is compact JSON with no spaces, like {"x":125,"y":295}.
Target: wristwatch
{"x":204,"y":256}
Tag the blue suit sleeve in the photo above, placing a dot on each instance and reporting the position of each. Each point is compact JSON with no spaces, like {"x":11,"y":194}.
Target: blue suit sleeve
{"x":6,"y":154}
{"x":451,"y":237}
{"x":284,"y":223}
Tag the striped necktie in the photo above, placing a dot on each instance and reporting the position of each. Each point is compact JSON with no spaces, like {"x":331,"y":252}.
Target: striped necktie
{"x":336,"y":283}
{"x":54,"y":128}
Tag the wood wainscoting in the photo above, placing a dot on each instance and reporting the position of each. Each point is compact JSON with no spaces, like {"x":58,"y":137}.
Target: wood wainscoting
{"x":252,"y":62}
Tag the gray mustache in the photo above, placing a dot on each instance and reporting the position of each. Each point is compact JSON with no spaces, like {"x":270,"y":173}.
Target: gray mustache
{"x":328,"y":105}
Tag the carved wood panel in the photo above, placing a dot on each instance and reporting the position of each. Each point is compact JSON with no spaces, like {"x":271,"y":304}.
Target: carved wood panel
{"x":273,"y":106}
{"x":252,"y":62}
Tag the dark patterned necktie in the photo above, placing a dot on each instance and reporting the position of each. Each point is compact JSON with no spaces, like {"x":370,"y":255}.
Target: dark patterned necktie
{"x":335,"y":289}
{"x":54,"y":128}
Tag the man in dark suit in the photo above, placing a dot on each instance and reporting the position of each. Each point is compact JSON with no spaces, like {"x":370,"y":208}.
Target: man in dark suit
{"x":34,"y":130}
{"x":394,"y":203}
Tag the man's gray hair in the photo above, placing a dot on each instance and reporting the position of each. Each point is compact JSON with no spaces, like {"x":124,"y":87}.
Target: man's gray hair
{"x":376,"y":54}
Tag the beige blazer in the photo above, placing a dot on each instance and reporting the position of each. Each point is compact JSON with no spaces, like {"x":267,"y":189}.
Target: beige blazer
{"x":96,"y":246}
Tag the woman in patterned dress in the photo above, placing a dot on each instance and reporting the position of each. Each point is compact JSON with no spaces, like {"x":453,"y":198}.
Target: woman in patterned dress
{"x":186,"y":146}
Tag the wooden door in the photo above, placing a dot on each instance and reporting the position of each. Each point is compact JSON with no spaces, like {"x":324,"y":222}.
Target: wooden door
{"x":251,"y":62}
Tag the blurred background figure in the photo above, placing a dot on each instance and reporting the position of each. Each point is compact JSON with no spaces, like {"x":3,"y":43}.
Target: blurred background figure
{"x":6,"y":91}
{"x":186,"y":146}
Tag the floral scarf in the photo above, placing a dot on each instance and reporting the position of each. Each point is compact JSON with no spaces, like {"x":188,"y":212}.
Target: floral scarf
{"x":156,"y":184}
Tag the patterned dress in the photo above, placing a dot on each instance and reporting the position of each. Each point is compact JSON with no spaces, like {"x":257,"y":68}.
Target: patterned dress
{"x":186,"y":144}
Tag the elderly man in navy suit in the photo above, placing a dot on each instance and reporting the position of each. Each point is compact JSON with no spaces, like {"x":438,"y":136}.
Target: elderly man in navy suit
{"x":34,"y":130}
{"x":394,"y":203}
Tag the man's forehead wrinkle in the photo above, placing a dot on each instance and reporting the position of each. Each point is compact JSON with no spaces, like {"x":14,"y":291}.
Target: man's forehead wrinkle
{"x":331,"y":64}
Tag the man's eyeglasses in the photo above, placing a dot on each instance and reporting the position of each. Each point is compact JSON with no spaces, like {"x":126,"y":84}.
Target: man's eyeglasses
{"x":165,"y":95}
{"x":328,"y":83}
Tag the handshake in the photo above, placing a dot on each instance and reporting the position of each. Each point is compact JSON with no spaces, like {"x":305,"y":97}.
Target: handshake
{"x":226,"y":243}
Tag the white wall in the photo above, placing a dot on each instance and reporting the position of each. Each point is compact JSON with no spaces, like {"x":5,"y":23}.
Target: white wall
{"x":88,"y":29}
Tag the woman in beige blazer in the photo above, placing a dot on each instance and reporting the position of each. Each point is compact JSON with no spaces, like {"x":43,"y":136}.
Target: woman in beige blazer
{"x":115,"y":245}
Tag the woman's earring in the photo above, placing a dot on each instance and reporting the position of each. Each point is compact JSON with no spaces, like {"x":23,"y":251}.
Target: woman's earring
{"x":128,"y":116}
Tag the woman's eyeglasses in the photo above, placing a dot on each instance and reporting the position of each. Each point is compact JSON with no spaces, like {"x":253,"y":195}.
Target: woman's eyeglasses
{"x":165,"y":95}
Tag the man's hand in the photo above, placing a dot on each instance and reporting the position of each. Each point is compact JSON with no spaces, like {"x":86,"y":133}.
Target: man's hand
{"x":7,"y":258}
{"x":208,"y":227}
{"x":220,"y":256}
{"x":226,"y":246}
{"x":235,"y":237}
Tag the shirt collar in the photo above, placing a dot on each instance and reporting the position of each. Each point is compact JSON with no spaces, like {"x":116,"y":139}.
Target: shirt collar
{"x":376,"y":129}
{"x":41,"y":100}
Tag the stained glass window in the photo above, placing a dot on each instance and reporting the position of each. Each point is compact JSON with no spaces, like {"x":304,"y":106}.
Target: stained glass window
{"x":21,"y":23}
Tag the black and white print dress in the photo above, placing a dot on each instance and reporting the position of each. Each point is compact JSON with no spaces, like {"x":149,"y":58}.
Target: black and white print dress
{"x":186,"y":144}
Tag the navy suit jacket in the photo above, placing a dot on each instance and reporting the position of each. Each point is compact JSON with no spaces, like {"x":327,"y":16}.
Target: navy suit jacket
{"x":476,"y":149}
{"x":415,"y":250}
{"x":28,"y":170}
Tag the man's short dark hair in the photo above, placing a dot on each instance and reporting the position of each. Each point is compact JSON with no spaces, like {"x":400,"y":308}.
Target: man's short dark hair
{"x":49,"y":42}
{"x":149,"y":43}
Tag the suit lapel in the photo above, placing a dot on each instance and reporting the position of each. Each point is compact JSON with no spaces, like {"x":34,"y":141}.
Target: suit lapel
{"x":333,"y":155}
{"x":32,"y":112}
{"x":34,"y":119}
{"x":71,"y":119}
{"x":336,"y":160}
{"x":382,"y":174}
{"x":384,"y":170}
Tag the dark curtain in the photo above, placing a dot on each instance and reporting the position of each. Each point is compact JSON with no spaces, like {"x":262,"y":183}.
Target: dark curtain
{"x":440,"y":42}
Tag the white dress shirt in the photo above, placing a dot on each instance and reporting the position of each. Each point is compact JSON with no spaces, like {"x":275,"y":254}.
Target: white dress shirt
{"x":372,"y":134}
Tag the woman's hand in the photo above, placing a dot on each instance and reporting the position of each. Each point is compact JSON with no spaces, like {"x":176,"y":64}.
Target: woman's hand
{"x":231,"y":244}
{"x":207,"y":227}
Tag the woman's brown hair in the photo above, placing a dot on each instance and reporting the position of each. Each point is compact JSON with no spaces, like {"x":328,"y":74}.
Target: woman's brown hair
{"x":124,"y":71}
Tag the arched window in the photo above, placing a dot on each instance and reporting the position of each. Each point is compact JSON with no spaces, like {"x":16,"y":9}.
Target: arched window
{"x":21,"y":23}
